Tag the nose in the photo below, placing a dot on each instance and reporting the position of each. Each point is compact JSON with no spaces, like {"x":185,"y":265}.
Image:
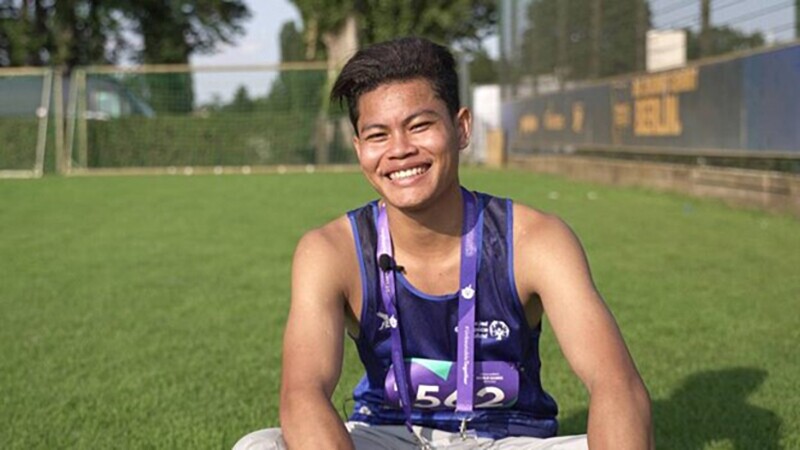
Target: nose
{"x":403,"y":146}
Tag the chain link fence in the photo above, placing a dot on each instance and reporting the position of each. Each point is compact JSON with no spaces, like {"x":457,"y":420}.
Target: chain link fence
{"x":25,"y":98}
{"x":687,"y":81}
{"x":170,"y":118}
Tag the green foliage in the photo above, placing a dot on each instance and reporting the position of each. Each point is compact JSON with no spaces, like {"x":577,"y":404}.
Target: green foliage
{"x":482,"y":68}
{"x":241,"y":101}
{"x":173,"y":30}
{"x":222,"y":138}
{"x":148,"y":312}
{"x":294,"y":90}
{"x":170,"y":92}
{"x":292,"y":46}
{"x":459,"y":23}
{"x":282,"y":126}
{"x":85,"y":32}
{"x":68,"y":33}
{"x":463,"y":22}
{"x":18,"y":143}
{"x":543,"y":38}
{"x":454,"y":21}
{"x":723,"y":40}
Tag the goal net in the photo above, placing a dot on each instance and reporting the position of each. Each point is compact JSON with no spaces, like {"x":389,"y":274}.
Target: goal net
{"x":187,"y":119}
{"x":25,"y":97}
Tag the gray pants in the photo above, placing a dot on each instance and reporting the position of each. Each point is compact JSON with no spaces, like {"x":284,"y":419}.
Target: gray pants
{"x":396,"y":437}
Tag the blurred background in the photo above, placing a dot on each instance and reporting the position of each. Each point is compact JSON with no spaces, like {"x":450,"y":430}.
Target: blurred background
{"x":226,"y":85}
{"x":666,"y":80}
{"x":147,"y":311}
{"x":558,"y":76}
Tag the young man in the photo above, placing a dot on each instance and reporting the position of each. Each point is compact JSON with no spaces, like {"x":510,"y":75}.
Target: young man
{"x":443,"y":291}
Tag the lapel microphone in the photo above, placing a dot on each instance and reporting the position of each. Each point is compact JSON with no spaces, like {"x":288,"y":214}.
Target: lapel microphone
{"x":386,"y":263}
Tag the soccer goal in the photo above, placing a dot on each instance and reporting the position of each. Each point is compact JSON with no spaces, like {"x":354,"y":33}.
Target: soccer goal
{"x":25,"y":99}
{"x":190,"y":119}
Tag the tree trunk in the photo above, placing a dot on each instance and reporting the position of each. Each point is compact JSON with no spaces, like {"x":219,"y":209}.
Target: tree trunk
{"x":340,"y":44}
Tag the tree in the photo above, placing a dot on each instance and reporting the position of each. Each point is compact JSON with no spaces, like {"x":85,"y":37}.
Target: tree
{"x":463,"y":23}
{"x":86,"y":32}
{"x":327,"y":24}
{"x":241,"y":101}
{"x":13,"y":52}
{"x":64,"y":33}
{"x":291,"y":40}
{"x":482,"y":68}
{"x":721,"y":40}
{"x":568,"y":46}
{"x":295,"y":91}
{"x":81,"y":32}
{"x":172,"y":31}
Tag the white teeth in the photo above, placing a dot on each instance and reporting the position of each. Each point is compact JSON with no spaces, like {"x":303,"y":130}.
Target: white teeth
{"x":400,"y":174}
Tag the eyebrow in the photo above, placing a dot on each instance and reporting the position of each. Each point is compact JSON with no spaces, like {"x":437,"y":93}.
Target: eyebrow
{"x":404,"y":122}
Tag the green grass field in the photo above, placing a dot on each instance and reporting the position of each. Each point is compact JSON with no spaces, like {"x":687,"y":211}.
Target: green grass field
{"x":147,"y":312}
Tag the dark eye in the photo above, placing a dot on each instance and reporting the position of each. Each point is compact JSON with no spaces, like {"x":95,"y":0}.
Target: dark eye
{"x":421,"y":126}
{"x":376,"y":137}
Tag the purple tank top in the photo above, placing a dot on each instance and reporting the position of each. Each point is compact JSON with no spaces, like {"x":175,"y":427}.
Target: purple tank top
{"x":509,"y":399}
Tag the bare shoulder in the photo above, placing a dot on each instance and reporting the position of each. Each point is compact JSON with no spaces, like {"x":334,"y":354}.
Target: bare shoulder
{"x":327,"y":240}
{"x":327,"y":254}
{"x":538,"y":229}
{"x":543,"y":245}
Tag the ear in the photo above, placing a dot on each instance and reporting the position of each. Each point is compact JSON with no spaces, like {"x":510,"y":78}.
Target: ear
{"x":464,"y":127}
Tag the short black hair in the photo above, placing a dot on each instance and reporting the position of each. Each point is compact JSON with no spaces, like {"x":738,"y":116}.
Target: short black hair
{"x":401,"y":59}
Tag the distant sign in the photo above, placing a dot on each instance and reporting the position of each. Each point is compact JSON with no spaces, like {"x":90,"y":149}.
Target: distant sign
{"x":751,"y":103}
{"x":666,"y":49}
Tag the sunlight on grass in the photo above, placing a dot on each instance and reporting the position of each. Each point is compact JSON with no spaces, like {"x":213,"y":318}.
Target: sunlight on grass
{"x":148,"y":312}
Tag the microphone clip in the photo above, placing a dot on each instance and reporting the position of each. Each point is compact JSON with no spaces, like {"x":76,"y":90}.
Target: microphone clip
{"x":387,"y":263}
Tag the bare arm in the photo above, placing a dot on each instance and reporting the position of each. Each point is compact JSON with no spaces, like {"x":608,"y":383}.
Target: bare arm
{"x":553,"y":265}
{"x":313,"y":346}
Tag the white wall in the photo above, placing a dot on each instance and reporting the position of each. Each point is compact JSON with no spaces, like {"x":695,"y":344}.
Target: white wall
{"x":485,"y":116}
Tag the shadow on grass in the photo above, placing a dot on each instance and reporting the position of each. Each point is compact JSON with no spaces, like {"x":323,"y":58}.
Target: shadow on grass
{"x":708,"y":408}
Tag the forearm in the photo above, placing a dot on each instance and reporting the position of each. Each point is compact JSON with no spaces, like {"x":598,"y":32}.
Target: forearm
{"x":309,"y":421}
{"x":619,"y":417}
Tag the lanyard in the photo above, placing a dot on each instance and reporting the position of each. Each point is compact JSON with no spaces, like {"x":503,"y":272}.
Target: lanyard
{"x":384,"y":250}
{"x":466,"y":309}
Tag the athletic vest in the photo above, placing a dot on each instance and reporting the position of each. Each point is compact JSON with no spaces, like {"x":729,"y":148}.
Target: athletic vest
{"x":428,"y":326}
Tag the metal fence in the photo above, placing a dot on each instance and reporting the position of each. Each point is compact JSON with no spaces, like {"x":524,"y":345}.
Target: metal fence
{"x":743,"y":106}
{"x":674,"y":80}
{"x":170,"y":118}
{"x":25,"y":98}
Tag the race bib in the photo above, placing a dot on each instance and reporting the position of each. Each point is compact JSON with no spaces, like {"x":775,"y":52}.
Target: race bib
{"x":433,"y":384}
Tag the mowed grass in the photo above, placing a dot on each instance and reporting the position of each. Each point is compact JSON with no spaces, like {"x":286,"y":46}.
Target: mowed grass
{"x":147,"y":312}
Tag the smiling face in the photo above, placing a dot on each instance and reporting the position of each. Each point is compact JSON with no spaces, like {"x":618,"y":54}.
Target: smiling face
{"x":408,"y":143}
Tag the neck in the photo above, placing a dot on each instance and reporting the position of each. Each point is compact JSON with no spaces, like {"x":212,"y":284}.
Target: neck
{"x":432,"y":230}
